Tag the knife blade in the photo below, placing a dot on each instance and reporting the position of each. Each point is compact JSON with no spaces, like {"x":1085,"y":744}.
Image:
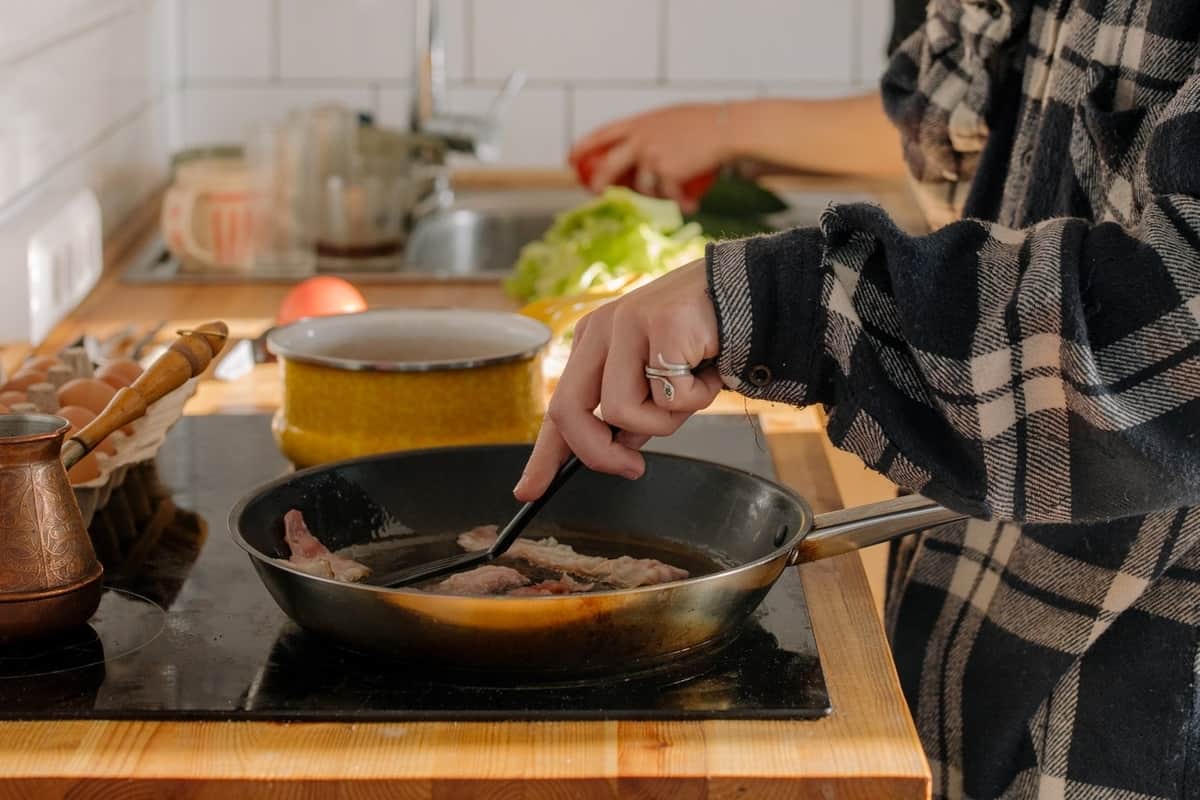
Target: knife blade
{"x":243,"y":357}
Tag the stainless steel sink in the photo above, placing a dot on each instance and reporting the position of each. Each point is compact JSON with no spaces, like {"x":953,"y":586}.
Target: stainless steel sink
{"x":469,"y":242}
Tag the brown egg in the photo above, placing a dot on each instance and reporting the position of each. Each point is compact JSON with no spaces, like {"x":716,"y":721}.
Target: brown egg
{"x":40,"y":363}
{"x":23,"y":380}
{"x":87,"y":469}
{"x":121,"y":370}
{"x":90,"y":393}
{"x":4,"y":409}
{"x":119,"y":374}
{"x":12,"y":397}
{"x":79,"y":417}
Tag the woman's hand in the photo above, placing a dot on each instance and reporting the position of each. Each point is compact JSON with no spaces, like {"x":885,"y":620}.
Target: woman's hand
{"x":665,"y":148}
{"x":670,"y":321}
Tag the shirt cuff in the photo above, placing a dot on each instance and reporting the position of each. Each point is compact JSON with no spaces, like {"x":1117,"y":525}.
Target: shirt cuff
{"x":767,"y":292}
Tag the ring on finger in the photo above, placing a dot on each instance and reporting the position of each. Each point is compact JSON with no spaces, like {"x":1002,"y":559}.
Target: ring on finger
{"x":667,"y":370}
{"x":667,"y":387}
{"x":662,"y":362}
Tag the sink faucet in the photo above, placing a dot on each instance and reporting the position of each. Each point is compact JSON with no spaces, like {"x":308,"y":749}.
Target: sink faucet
{"x":476,"y":135}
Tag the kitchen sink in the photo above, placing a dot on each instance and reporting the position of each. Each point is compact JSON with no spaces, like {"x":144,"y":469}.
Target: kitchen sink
{"x":478,"y":239}
{"x":465,"y":242}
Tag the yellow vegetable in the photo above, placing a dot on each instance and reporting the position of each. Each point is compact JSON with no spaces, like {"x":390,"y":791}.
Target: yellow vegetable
{"x":561,"y":313}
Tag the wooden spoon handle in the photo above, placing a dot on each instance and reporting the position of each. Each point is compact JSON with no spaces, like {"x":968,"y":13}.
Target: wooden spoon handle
{"x":187,"y":357}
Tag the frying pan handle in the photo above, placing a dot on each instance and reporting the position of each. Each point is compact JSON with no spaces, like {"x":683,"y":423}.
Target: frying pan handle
{"x":838,"y":532}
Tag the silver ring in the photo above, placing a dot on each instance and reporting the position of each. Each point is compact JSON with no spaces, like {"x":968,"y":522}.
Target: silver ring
{"x":667,"y":370}
{"x":654,"y":372}
{"x":668,"y":387}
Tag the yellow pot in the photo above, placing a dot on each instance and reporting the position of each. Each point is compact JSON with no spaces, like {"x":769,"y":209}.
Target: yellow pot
{"x":404,"y":379}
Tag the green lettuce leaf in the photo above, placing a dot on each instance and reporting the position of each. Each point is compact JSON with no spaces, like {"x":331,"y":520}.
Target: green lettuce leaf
{"x":620,"y":233}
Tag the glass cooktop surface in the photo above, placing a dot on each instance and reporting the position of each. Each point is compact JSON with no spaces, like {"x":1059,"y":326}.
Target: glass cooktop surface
{"x":187,"y":630}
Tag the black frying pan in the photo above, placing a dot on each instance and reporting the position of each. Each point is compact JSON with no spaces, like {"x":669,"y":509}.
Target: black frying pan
{"x":735,"y":533}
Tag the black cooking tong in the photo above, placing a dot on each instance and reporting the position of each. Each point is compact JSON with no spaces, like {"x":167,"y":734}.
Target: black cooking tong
{"x":515,"y":527}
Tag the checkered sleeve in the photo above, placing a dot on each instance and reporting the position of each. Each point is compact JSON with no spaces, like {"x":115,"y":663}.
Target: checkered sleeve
{"x":1050,"y":374}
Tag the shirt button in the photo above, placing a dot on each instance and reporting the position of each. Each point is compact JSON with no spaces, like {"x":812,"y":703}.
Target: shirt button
{"x":760,"y":376}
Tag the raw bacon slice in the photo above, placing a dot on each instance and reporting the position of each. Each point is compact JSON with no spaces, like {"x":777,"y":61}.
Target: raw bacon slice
{"x":625,"y":572}
{"x":309,"y":555}
{"x":488,"y":579}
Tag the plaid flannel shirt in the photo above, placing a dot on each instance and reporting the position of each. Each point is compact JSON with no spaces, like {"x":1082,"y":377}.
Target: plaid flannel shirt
{"x":1035,"y":363}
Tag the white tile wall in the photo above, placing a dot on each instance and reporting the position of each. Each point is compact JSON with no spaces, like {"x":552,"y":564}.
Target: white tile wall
{"x":99,"y":92}
{"x":874,"y":23}
{"x":227,"y":39}
{"x":588,"y":61}
{"x":534,"y":132}
{"x":223,"y":114}
{"x":83,"y":101}
{"x":366,"y":39}
{"x":563,"y":41}
{"x":595,"y":106}
{"x":765,"y":40}
{"x":30,"y":26}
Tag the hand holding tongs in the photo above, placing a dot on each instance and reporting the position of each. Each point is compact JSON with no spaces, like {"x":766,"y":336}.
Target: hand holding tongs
{"x":516,"y":526}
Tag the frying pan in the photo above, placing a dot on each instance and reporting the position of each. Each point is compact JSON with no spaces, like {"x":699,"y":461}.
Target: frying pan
{"x":734,"y":531}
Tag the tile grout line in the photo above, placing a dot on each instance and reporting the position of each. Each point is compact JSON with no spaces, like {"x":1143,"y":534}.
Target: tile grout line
{"x":275,"y":44}
{"x":664,"y":39}
{"x":856,"y":21}
{"x":468,"y":40}
{"x":61,"y":39}
{"x":569,"y":115}
{"x":179,"y":38}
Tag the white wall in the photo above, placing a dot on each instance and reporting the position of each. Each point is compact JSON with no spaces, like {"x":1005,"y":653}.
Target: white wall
{"x":588,"y":60}
{"x":83,"y":100}
{"x":100,"y":92}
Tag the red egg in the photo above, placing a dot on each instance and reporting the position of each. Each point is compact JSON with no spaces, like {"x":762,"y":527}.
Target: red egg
{"x":321,"y":296}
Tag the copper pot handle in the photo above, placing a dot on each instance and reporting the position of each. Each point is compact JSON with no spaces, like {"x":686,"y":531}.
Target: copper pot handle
{"x":188,"y":356}
{"x":838,"y":532}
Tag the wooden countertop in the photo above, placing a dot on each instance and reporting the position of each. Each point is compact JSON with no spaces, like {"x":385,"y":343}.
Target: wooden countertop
{"x":866,"y":748}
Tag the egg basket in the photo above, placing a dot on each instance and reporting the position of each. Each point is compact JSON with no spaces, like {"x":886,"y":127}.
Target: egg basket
{"x":139,"y":447}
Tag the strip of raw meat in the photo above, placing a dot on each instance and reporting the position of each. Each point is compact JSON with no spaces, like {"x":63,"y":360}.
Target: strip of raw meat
{"x":625,"y":572}
{"x":488,"y":579}
{"x":564,"y":585}
{"x":309,"y":555}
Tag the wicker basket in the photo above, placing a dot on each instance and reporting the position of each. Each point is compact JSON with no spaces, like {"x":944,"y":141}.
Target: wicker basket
{"x":142,"y":446}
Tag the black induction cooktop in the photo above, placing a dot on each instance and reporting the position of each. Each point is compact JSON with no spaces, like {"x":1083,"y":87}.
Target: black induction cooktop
{"x":186,"y":630}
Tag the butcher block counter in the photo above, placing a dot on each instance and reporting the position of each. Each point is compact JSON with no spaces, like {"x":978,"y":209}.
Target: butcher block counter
{"x":866,"y":748}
